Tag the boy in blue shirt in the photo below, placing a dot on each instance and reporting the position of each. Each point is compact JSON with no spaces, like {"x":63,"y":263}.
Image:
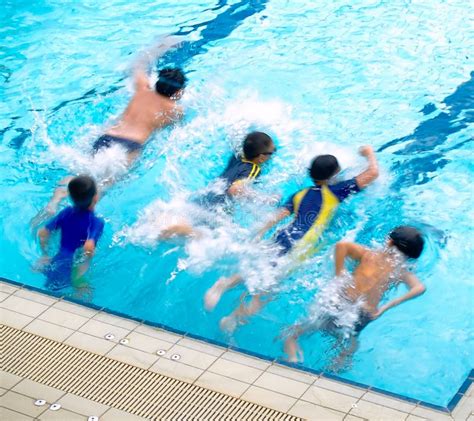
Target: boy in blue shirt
{"x":80,"y":229}
{"x":313,"y":209}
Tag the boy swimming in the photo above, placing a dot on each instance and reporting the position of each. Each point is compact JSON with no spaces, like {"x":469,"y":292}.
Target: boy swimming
{"x":150,"y":109}
{"x":80,"y":230}
{"x":376,"y":272}
{"x":257,"y":148}
{"x":313,"y":208}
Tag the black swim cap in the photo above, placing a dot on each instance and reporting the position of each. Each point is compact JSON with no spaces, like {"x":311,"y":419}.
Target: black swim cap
{"x":170,"y":81}
{"x":408,"y":240}
{"x":255,"y":144}
{"x":323,"y":167}
{"x":82,"y":190}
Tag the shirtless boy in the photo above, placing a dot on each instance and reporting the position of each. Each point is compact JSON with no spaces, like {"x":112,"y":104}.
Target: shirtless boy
{"x":375,"y":273}
{"x":150,"y":109}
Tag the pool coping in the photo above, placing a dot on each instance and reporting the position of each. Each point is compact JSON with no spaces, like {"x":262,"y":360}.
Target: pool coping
{"x":317,"y":378}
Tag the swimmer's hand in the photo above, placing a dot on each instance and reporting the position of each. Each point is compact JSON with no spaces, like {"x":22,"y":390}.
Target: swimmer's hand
{"x":366,"y":150}
{"x":377,"y":313}
{"x":42,"y":262}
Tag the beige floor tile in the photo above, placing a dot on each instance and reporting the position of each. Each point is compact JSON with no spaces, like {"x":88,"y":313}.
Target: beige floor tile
{"x":158,"y":333}
{"x":49,"y":330}
{"x":8,"y":415}
{"x":115,"y":414}
{"x":82,"y":406}
{"x":132,"y":356}
{"x":20,"y":403}
{"x":37,"y":390}
{"x":20,"y":305}
{"x":63,"y":318}
{"x":470,"y":390}
{"x":234,"y":370}
{"x":268,"y":398}
{"x":464,"y":408}
{"x":8,"y":380}
{"x":176,"y":370}
{"x":354,"y":418}
{"x":202,"y":346}
{"x":14,"y":319}
{"x":376,"y":412}
{"x":115,"y":320}
{"x":281,"y":385}
{"x":415,"y":418}
{"x":90,"y":343}
{"x":222,"y":384}
{"x":309,"y":411}
{"x":61,"y":415}
{"x":8,"y":288}
{"x":329,"y":399}
{"x":3,"y":391}
{"x":340,"y":387}
{"x":76,"y":309}
{"x":3,"y":296}
{"x":290,"y":373}
{"x":240,"y":358}
{"x":429,"y":414}
{"x":147,"y":343}
{"x":100,"y":329}
{"x":191,"y":357}
{"x":35,"y":296}
{"x":389,"y":402}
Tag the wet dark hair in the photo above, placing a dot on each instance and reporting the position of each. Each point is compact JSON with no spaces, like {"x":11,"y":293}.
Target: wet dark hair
{"x":170,"y":80}
{"x":82,"y":190}
{"x":255,"y":144}
{"x":408,"y":240}
{"x":323,"y":167}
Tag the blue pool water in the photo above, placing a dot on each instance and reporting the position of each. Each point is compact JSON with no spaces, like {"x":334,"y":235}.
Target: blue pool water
{"x":320,"y":77}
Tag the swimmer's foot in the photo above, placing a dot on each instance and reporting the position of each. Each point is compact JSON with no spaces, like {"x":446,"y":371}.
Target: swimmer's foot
{"x":228,"y":324}
{"x":213,"y":295}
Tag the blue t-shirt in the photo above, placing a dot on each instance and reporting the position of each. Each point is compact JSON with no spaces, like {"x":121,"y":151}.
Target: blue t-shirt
{"x":313,"y":208}
{"x":76,"y":226}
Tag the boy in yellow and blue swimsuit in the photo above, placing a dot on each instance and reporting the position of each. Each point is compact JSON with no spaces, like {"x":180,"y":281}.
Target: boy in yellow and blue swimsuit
{"x":313,"y":208}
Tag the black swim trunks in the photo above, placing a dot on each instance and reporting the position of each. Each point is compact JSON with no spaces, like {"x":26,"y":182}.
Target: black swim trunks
{"x":364,"y":319}
{"x":107,"y":140}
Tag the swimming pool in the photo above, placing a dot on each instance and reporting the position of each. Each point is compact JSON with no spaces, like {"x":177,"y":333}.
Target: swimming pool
{"x":318,"y":77}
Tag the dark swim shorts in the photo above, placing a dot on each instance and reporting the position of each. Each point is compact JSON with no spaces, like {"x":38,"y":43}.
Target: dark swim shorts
{"x":107,"y":140}
{"x":364,"y":319}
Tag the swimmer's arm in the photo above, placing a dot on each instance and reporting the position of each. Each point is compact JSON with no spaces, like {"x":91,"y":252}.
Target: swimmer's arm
{"x":277,"y":217}
{"x":416,"y":288}
{"x":44,"y":235}
{"x":89,"y":250}
{"x":147,"y":58}
{"x":372,"y":171}
{"x":345,"y":249}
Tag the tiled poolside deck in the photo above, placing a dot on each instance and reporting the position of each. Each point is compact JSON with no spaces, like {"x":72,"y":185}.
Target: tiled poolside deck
{"x":268,"y":384}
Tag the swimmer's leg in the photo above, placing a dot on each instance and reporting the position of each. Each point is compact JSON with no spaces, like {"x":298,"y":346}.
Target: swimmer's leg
{"x":346,"y":355}
{"x":291,"y":346}
{"x":214,"y":293}
{"x":51,"y":208}
{"x":240,"y":315}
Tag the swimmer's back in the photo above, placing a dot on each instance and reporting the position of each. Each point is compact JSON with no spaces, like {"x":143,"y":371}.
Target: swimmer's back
{"x":146,"y":112}
{"x":371,"y":278}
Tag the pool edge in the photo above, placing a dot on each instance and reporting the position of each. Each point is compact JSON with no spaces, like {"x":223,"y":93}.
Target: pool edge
{"x":449,"y":409}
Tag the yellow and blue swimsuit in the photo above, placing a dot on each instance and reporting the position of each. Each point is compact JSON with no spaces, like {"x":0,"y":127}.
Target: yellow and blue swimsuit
{"x":238,"y":169}
{"x":313,"y":209}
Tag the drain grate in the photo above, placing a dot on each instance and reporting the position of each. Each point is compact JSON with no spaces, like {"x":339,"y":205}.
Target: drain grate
{"x":117,"y":384}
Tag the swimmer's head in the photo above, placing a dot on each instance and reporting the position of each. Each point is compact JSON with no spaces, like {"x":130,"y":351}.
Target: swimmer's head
{"x":171,"y":82}
{"x":83,"y":191}
{"x":258,"y":146}
{"x":323,"y":167}
{"x":408,"y":240}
